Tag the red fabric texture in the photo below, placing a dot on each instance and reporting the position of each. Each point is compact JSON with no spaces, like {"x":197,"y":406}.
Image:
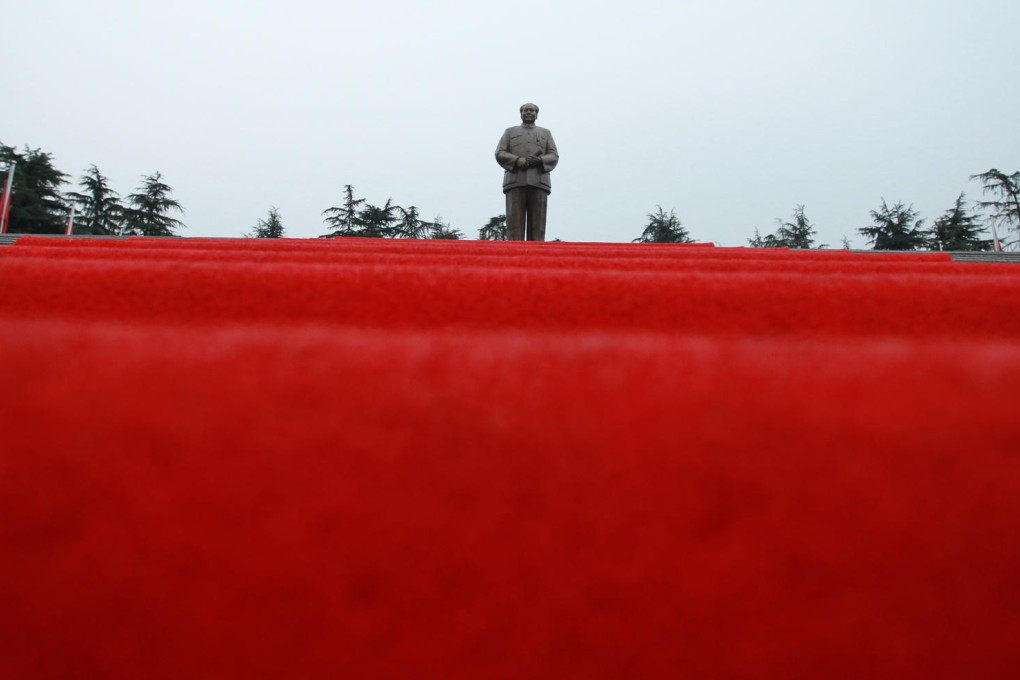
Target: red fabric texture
{"x":366,"y":458}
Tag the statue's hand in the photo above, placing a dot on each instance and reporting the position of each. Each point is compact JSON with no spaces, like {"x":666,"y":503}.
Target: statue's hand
{"x":522,"y":162}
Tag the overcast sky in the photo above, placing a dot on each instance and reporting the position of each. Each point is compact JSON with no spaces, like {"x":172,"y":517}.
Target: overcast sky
{"x":731,"y":112}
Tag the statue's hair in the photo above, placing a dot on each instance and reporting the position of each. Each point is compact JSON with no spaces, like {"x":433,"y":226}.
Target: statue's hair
{"x":529,"y":104}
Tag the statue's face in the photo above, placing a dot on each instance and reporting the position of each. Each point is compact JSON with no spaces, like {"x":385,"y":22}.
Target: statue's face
{"x":529,"y":114}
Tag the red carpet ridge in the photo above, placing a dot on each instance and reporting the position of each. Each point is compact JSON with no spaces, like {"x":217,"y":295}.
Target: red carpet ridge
{"x":420,"y":459}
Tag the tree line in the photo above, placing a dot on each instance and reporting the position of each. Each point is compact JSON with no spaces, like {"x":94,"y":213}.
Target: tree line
{"x":39,"y":206}
{"x":895,"y":227}
{"x":356,"y":217}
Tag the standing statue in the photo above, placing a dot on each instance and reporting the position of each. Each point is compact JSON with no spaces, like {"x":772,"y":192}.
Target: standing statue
{"x":528,"y":154}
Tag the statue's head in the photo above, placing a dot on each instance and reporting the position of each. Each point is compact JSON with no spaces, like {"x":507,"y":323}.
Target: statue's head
{"x":529,"y":112}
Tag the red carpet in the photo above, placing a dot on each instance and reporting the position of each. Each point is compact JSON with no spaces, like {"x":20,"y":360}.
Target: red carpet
{"x":366,"y":458}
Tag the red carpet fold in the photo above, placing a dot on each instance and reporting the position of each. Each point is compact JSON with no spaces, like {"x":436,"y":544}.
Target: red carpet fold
{"x":366,"y":458}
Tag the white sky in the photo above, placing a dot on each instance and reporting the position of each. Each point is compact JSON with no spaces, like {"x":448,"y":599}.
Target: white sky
{"x":731,"y":112}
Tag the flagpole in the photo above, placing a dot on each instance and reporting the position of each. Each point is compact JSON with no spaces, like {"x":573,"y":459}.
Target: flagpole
{"x":70,"y":223}
{"x":5,"y":206}
{"x":996,"y":243}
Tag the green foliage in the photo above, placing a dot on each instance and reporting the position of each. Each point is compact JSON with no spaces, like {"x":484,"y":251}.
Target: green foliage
{"x":896,"y":228}
{"x":358,"y":218}
{"x":148,"y":210}
{"x":798,"y":234}
{"x":271,"y":227}
{"x":664,"y":227}
{"x":377,"y":222}
{"x":1004,"y":210}
{"x":37,"y":206}
{"x":410,"y":224}
{"x":441,"y":230}
{"x":958,"y":229}
{"x":343,"y":219}
{"x":757,"y":241}
{"x":495,"y":230}
{"x":99,"y":209}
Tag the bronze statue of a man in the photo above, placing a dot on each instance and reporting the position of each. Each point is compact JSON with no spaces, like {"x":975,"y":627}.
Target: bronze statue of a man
{"x":528,"y":154}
